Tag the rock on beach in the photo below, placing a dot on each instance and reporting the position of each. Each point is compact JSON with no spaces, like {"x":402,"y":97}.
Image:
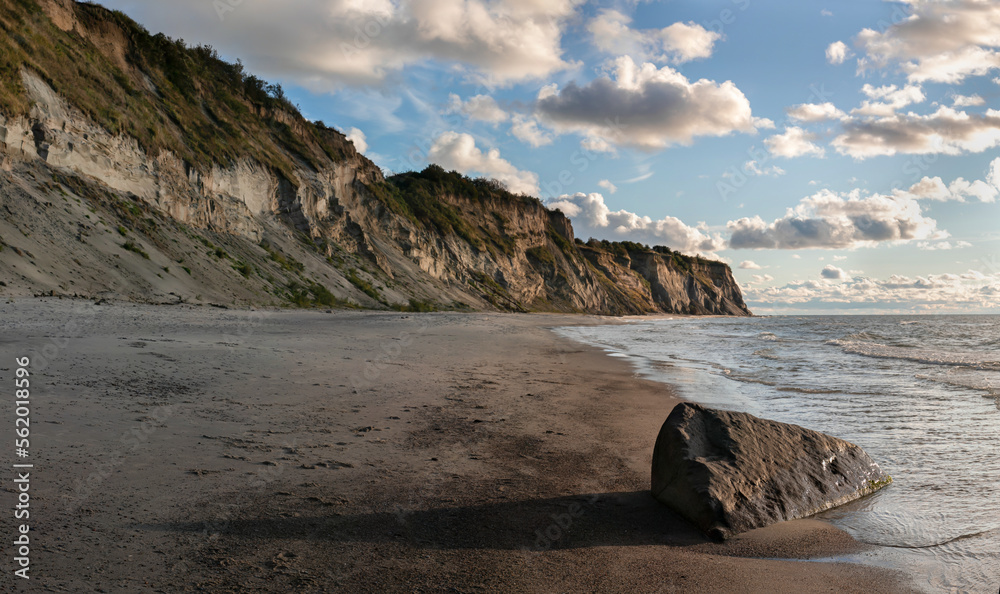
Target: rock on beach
{"x":730,"y":472}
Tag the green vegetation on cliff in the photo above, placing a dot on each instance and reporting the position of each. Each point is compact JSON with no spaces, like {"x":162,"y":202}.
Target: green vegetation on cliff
{"x":164,"y":94}
{"x":422,"y":198}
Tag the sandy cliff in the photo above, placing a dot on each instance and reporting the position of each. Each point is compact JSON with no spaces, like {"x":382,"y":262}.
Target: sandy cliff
{"x":179,"y":177}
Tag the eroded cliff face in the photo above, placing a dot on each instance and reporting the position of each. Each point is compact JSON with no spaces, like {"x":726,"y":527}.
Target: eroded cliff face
{"x":367,"y":240}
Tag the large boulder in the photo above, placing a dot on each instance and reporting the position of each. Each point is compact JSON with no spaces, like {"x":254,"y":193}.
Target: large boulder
{"x":729,"y":472}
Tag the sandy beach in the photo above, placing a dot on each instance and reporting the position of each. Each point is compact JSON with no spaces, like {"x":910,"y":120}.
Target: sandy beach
{"x":180,"y":448}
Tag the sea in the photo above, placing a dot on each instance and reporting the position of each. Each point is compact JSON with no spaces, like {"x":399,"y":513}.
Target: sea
{"x":920,"y":394}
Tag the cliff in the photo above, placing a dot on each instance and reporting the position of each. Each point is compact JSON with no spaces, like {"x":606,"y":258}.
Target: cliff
{"x":134,"y":167}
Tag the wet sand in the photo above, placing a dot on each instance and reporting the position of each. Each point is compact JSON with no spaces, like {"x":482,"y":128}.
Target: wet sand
{"x":186,"y":448}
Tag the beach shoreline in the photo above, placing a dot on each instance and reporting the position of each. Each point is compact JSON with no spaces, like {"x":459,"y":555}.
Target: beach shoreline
{"x":365,"y":451}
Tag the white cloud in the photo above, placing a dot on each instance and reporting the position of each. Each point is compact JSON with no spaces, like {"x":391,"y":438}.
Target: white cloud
{"x":526,"y":130}
{"x":763,"y":123}
{"x":837,"y":52}
{"x":814,"y":112}
{"x":678,"y":43}
{"x":327,"y":44}
{"x":886,"y":100}
{"x":607,"y":185}
{"x":831,"y":272}
{"x":762,"y":278}
{"x":943,"y":245}
{"x":934,"y":188}
{"x":931,"y":189}
{"x":597,"y":145}
{"x":897,"y":97}
{"x":829,"y":221}
{"x":826,"y":13}
{"x":752,"y":168}
{"x":750,"y":265}
{"x":794,"y":142}
{"x":452,"y":150}
{"x":358,"y":138}
{"x":481,"y":107}
{"x":945,"y":131}
{"x":684,"y":42}
{"x":647,"y":107}
{"x":967,"y":101}
{"x":970,"y":291}
{"x":940,"y":42}
{"x":589,"y":212}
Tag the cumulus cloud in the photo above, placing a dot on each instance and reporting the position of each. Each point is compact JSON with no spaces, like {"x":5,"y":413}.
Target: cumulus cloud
{"x":969,"y":291}
{"x":750,"y":265}
{"x":886,"y":100}
{"x":459,"y":152}
{"x":814,"y":112}
{"x":647,"y":107}
{"x":934,"y":188}
{"x":829,"y":221}
{"x":526,"y":130}
{"x":946,"y":131}
{"x":831,"y":272}
{"x":590,"y":213}
{"x":837,"y":52}
{"x":939,"y":42}
{"x":607,"y":185}
{"x":327,"y":44}
{"x":794,"y":142}
{"x":358,"y":138}
{"x":753,"y":168}
{"x":678,"y":43}
{"x":763,"y":123}
{"x":481,"y":107}
{"x":968,"y":101}
{"x":762,"y":278}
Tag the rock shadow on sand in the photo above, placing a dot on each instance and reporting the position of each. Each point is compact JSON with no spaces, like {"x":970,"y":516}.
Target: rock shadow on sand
{"x":575,"y":521}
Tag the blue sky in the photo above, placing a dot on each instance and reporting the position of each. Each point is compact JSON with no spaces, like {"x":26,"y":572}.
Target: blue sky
{"x":839,"y":155}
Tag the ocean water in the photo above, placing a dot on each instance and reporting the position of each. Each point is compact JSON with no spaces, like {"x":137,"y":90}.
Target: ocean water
{"x":921,"y":394}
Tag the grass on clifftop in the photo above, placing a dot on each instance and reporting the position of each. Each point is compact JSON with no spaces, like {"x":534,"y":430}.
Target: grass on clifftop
{"x":420,"y":196}
{"x":166,"y":95}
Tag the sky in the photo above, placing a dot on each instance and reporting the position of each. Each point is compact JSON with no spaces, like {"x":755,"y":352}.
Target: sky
{"x":842,"y":157}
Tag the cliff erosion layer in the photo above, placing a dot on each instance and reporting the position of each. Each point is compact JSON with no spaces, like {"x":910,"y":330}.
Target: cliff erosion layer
{"x":132,"y":166}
